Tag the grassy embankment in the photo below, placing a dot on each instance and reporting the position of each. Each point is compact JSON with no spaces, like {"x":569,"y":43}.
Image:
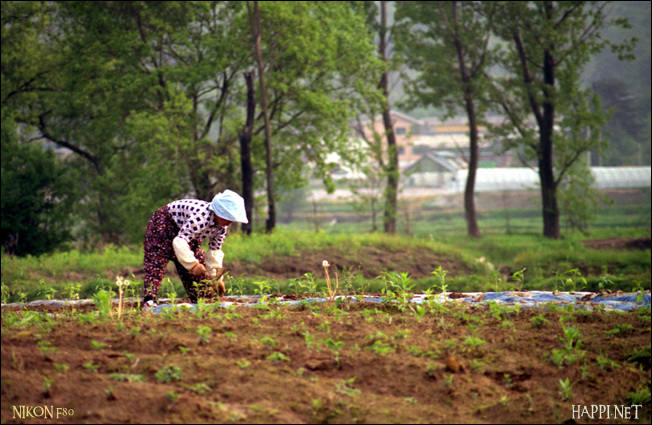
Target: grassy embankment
{"x":545,"y":264}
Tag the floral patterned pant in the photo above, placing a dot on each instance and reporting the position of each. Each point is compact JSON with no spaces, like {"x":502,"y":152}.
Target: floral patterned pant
{"x":161,"y":231}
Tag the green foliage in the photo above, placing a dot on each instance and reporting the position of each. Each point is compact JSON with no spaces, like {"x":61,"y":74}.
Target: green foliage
{"x":565,"y":387}
{"x":167,"y":374}
{"x":128,"y":377}
{"x":277,"y":357}
{"x":539,"y":321}
{"x":204,"y":333}
{"x":103,"y":300}
{"x":560,"y":39}
{"x":38,"y":197}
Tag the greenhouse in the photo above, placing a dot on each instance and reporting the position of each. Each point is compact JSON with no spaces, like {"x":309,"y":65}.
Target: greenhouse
{"x":510,"y":179}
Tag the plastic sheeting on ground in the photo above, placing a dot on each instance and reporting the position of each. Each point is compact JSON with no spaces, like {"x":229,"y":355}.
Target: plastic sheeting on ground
{"x":525,"y":299}
{"x":623,"y":301}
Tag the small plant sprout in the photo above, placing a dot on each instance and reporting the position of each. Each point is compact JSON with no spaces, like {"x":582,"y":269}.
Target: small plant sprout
{"x":121,"y":283}
{"x":204,"y":333}
{"x":331,"y":290}
{"x":102,"y":300}
{"x":519,"y":276}
{"x":168,"y":374}
{"x":441,"y":275}
{"x":574,"y":274}
{"x":565,"y":387}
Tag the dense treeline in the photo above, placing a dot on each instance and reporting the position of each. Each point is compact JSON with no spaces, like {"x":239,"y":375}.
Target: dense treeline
{"x":112,"y":109}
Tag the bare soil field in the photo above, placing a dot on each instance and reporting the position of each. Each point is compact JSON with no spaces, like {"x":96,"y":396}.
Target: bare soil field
{"x":320,"y":363}
{"x":324,"y":362}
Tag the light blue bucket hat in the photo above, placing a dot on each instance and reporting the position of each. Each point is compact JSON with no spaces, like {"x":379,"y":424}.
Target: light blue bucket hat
{"x":230,"y":206}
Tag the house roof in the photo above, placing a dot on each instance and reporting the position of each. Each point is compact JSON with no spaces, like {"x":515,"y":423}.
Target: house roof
{"x":446,"y":163}
{"x":397,"y":114}
{"x":446,"y":140}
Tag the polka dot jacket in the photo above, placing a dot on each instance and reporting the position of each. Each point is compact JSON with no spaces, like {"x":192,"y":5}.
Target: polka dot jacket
{"x":196,"y":222}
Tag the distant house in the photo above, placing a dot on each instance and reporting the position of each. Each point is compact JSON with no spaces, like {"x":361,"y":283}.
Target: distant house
{"x":432,"y":170}
{"x":405,"y":129}
{"x":416,"y":138}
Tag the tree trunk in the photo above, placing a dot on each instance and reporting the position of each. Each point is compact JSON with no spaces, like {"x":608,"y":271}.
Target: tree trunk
{"x":469,"y":190}
{"x":391,"y":191}
{"x":271,"y":205}
{"x":245,"y":153}
{"x":545,"y":121}
{"x":551,"y":227}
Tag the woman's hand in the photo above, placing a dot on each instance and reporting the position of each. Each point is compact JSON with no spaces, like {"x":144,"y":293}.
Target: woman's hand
{"x":198,"y":271}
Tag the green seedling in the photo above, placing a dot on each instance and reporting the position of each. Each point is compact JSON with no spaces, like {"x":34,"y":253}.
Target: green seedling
{"x":441,"y":275}
{"x":539,"y":321}
{"x":565,"y":388}
{"x":47,"y":384}
{"x":61,"y":368}
{"x":507,"y":380}
{"x":6,"y":294}
{"x":325,"y":327}
{"x":310,"y":341}
{"x":129,"y":356}
{"x":606,"y":363}
{"x":621,"y":329}
{"x":380,"y":348}
{"x":102,"y":300}
{"x":574,"y":274}
{"x":336,"y":347}
{"x":474,"y":342}
{"x":640,"y":355}
{"x":640,"y":291}
{"x":448,"y":381}
{"x":201,"y":308}
{"x":73,"y":290}
{"x":477,"y":365}
{"x":346,"y":387}
{"x":519,"y":276}
{"x":640,"y":397}
{"x":168,"y":374}
{"x":268,"y":342}
{"x":243,"y":364}
{"x":204,"y":333}
{"x":571,"y":339}
{"x":263,"y":287}
{"x":277,"y":357}
{"x":128,"y":377}
{"x":604,"y":282}
{"x":46,"y":348}
{"x":89,"y":366}
{"x":98,"y":345}
{"x":200,"y":388}
{"x":556,"y":282}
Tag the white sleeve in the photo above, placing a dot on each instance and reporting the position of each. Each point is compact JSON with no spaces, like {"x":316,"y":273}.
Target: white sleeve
{"x":213,"y":261}
{"x":184,"y":253}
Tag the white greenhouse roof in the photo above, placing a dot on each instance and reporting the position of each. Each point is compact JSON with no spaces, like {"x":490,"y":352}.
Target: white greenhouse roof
{"x":512,"y":179}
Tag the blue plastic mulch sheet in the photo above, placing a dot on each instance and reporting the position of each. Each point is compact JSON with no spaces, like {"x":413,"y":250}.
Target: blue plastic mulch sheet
{"x":525,"y":299}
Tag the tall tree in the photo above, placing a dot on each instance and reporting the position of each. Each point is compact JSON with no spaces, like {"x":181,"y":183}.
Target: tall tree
{"x":449,"y":43}
{"x":246,"y":165}
{"x":256,"y":30}
{"x":145,"y":100}
{"x":547,"y":44}
{"x":392,"y":170}
{"x":39,"y":190}
{"x":315,"y":58}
